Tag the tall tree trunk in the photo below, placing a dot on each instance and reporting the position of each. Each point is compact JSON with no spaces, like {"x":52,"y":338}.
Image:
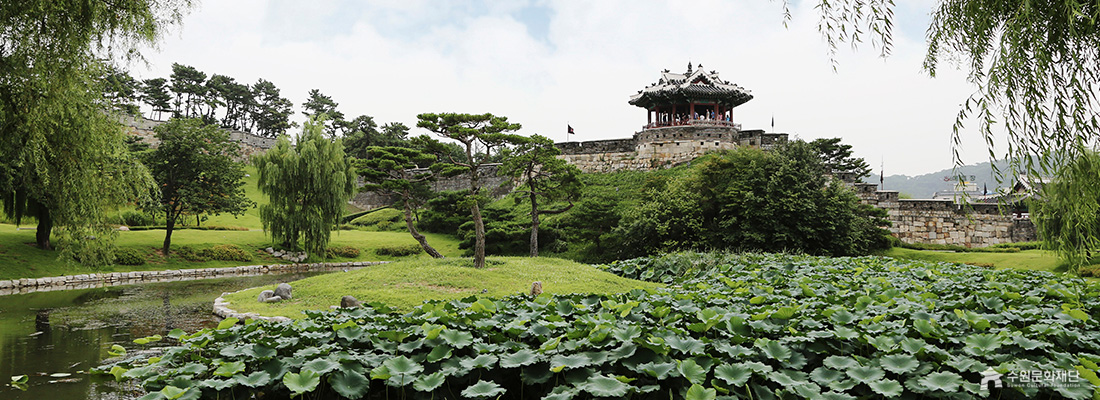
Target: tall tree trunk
{"x":416,"y":234}
{"x":534,"y":224}
{"x":45,"y":227}
{"x":479,"y":236}
{"x":170,"y":223}
{"x":475,"y":210}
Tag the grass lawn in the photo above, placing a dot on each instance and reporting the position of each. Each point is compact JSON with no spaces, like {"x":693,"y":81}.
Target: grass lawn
{"x":20,"y":259}
{"x":406,"y":284}
{"x":1039,"y":260}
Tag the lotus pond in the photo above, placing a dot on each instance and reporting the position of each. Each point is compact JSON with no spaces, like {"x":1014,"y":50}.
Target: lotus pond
{"x":728,"y":326}
{"x":62,"y":333}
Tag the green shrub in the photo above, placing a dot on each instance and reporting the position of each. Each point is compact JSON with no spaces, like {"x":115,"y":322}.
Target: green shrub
{"x":343,"y":251}
{"x":190,"y":254}
{"x":1001,"y":248}
{"x":137,"y":218}
{"x":374,"y":217}
{"x":1021,"y":245}
{"x":1089,"y":271}
{"x":225,"y":252}
{"x":351,"y":217}
{"x":399,"y":251}
{"x":129,"y":256}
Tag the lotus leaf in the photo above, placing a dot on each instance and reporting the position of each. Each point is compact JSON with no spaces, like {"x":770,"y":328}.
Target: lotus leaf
{"x":886,"y":387}
{"x":605,"y":386}
{"x":229,"y":369}
{"x":945,"y":381}
{"x":698,"y":392}
{"x":350,"y":385}
{"x":482,"y":390}
{"x":899,"y":363}
{"x":254,"y":380}
{"x":692,"y":371}
{"x":303,"y":382}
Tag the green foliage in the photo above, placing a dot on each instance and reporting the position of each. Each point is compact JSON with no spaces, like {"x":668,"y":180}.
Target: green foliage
{"x":838,"y":158}
{"x":750,"y":199}
{"x":307,"y":185}
{"x":196,"y":173}
{"x":1068,"y":215}
{"x":52,"y":96}
{"x":1033,"y":67}
{"x":399,"y":251}
{"x":129,"y":256}
{"x":372,"y":218}
{"x":910,"y":329}
{"x":225,"y":252}
{"x":222,"y":252}
{"x":445,"y":212}
{"x":137,"y":218}
{"x":1001,"y":248}
{"x":343,"y":251}
{"x":190,"y":254}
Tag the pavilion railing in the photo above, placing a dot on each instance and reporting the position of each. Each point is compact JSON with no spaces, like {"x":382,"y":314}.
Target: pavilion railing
{"x":694,"y":122}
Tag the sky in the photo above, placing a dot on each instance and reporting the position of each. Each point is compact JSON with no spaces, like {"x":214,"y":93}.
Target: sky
{"x":548,"y":64}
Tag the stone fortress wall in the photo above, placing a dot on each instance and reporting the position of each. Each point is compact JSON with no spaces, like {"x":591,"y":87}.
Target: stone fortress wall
{"x":661,"y":147}
{"x":250,"y":143}
{"x":492,"y":183}
{"x":945,"y":222}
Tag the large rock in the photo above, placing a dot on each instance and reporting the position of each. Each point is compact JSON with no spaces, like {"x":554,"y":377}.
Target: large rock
{"x":264,"y":295}
{"x":349,"y":302}
{"x":283,"y":290}
{"x":273,"y":299}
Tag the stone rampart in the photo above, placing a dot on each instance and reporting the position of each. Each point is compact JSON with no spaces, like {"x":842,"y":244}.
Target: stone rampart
{"x":664,"y":147}
{"x":598,"y":146}
{"x":492,"y":183}
{"x":945,"y":222}
{"x":250,"y":144}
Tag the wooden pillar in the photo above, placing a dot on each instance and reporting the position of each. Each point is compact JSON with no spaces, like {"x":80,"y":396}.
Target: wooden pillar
{"x":648,"y":117}
{"x":672,"y":118}
{"x":691,"y":113}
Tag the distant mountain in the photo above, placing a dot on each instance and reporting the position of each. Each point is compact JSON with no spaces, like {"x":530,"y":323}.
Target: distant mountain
{"x":925,"y":186}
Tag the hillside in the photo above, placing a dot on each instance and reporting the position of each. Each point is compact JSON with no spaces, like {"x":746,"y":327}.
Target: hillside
{"x":925,"y":186}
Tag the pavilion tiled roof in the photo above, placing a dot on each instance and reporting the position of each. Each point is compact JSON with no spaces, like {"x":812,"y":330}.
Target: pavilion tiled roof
{"x":699,"y":84}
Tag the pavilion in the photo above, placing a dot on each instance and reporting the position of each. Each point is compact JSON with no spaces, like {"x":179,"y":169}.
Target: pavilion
{"x":692,"y":98}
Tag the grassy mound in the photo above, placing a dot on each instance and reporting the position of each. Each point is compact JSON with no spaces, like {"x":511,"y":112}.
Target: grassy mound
{"x":406,"y":284}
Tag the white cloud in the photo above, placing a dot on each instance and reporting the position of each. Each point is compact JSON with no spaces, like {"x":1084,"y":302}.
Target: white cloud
{"x":395,"y":59}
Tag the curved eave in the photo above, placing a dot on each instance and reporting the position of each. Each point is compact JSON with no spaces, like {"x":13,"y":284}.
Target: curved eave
{"x":667,"y":97}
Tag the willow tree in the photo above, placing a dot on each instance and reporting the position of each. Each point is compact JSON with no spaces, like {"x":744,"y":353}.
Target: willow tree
{"x":307,"y":184}
{"x":63,"y":157}
{"x":479,"y":135}
{"x":1034,"y":64}
{"x":1067,"y":216}
{"x":401,"y":172}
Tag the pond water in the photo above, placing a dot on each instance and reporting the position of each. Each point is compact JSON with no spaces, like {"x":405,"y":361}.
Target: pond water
{"x":64,"y":332}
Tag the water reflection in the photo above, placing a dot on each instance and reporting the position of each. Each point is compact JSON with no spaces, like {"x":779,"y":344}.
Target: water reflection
{"x":68,"y":331}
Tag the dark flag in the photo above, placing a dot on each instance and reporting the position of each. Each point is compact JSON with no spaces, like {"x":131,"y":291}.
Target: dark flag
{"x":570,"y":131}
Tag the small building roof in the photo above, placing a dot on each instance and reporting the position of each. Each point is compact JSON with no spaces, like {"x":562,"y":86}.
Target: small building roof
{"x":674,"y":88}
